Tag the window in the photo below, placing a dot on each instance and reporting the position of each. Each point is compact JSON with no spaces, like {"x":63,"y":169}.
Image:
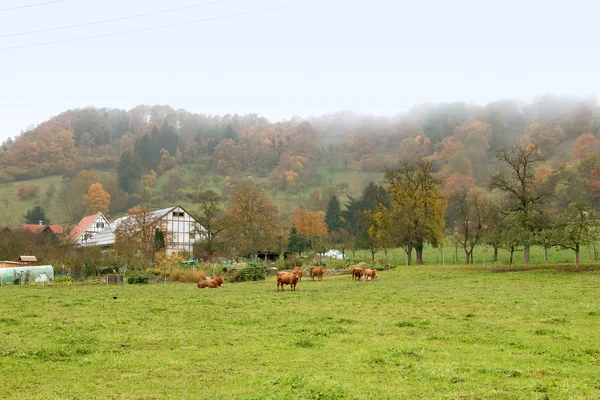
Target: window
{"x":177,"y":214}
{"x":100,"y":225}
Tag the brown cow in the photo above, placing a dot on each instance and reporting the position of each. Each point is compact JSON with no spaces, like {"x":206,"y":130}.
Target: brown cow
{"x":298,"y":272}
{"x":211,"y":283}
{"x":357,"y":273}
{"x":287,"y":278}
{"x":370,"y":274}
{"x":316,"y":271}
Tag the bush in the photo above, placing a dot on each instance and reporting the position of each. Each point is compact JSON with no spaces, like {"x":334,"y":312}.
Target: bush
{"x":63,"y":279}
{"x":140,"y":279}
{"x":249,"y":272}
{"x":187,"y":275}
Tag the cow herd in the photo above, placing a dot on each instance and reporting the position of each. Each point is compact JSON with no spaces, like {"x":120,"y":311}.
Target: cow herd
{"x":293,"y":277}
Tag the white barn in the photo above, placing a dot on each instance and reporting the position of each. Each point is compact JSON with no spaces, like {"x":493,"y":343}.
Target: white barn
{"x":180,"y":228}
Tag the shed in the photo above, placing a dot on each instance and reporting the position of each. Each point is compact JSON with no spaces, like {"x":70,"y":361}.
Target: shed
{"x":27,"y":260}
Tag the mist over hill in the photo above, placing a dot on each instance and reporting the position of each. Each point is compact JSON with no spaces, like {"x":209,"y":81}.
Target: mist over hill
{"x":157,"y":154}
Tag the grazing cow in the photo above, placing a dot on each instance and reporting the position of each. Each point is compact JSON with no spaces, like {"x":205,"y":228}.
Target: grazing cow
{"x":316,"y":271}
{"x":370,"y":274}
{"x":357,"y":273}
{"x":298,"y":272}
{"x":211,"y":283}
{"x":287,"y":278}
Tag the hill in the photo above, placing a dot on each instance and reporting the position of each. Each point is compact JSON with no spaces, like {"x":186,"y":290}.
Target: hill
{"x":157,"y":155}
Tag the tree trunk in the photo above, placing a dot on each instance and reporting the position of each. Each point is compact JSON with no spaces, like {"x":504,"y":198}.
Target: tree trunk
{"x":545,"y":254}
{"x":409,"y":254}
{"x":386,"y":256}
{"x":419,"y":250}
{"x":373,"y":255}
{"x":577,"y":256}
{"x":467,"y":257}
{"x":526,"y":255}
{"x":495,"y":256}
{"x":510,"y":261}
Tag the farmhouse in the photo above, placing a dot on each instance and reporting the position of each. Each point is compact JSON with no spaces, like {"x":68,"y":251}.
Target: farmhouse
{"x":88,"y":227}
{"x":42,"y":233}
{"x":180,"y":229}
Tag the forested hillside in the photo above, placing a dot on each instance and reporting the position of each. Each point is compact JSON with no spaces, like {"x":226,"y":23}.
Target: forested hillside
{"x":158,"y":155}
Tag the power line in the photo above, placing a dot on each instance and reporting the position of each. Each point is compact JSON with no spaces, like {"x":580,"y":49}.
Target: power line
{"x":162,"y":26}
{"x":32,"y":5}
{"x":114,"y":19}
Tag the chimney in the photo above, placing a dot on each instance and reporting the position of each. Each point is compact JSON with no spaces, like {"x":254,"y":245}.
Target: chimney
{"x":40,"y":223}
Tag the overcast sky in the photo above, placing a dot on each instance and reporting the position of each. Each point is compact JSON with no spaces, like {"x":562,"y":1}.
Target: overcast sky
{"x":371,"y":56}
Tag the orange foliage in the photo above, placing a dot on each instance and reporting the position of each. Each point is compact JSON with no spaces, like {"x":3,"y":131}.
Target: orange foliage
{"x":584,"y":146}
{"x":309,"y":223}
{"x":458,"y":183}
{"x":96,"y":199}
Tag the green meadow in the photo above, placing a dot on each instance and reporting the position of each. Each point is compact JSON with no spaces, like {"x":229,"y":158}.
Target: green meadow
{"x":416,"y":332}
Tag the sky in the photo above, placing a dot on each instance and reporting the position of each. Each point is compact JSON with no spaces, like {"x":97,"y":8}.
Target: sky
{"x":378,"y":57}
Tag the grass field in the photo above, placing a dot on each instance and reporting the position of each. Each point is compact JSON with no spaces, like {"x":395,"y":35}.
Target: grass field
{"x":416,"y":332}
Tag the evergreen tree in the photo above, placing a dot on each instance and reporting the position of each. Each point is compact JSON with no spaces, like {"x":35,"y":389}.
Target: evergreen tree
{"x":230,"y":133}
{"x":145,"y":149}
{"x":129,"y":172}
{"x":168,"y":139}
{"x":35,"y":215}
{"x":297,"y":243}
{"x":159,"y":240}
{"x":333,"y":216}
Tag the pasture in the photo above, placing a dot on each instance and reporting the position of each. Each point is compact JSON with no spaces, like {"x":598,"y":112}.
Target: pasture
{"x":416,"y":332}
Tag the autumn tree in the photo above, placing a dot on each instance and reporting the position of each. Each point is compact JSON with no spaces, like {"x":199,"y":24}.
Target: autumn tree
{"x":134,"y":236}
{"x":342,"y":240}
{"x":251,"y":220}
{"x":509,"y":233}
{"x":23,"y":192}
{"x":474,"y":215}
{"x":211,"y":217}
{"x":585,"y":145}
{"x":96,"y":200}
{"x":310,"y":224}
{"x":525,"y":195}
{"x":576,"y":227}
{"x":418,"y":205}
{"x":382,"y":230}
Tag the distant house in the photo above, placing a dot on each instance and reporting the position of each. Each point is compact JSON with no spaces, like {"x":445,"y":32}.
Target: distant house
{"x":41,"y":233}
{"x":181,"y":230}
{"x":87,"y":228}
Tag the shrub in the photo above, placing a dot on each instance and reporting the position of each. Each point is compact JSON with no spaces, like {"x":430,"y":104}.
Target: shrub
{"x":140,"y":279}
{"x":187,"y":275}
{"x":23,"y":192}
{"x":63,"y":279}
{"x":249,"y":272}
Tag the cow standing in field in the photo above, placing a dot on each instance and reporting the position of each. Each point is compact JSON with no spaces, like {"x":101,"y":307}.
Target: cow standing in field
{"x":357,"y":273}
{"x":316,"y":271}
{"x":370,"y":274}
{"x":211,"y":283}
{"x":298,"y":272}
{"x":287,"y":278}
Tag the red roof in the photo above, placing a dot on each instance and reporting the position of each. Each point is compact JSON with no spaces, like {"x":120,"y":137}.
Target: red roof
{"x":38,"y":229}
{"x":83,"y":225}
